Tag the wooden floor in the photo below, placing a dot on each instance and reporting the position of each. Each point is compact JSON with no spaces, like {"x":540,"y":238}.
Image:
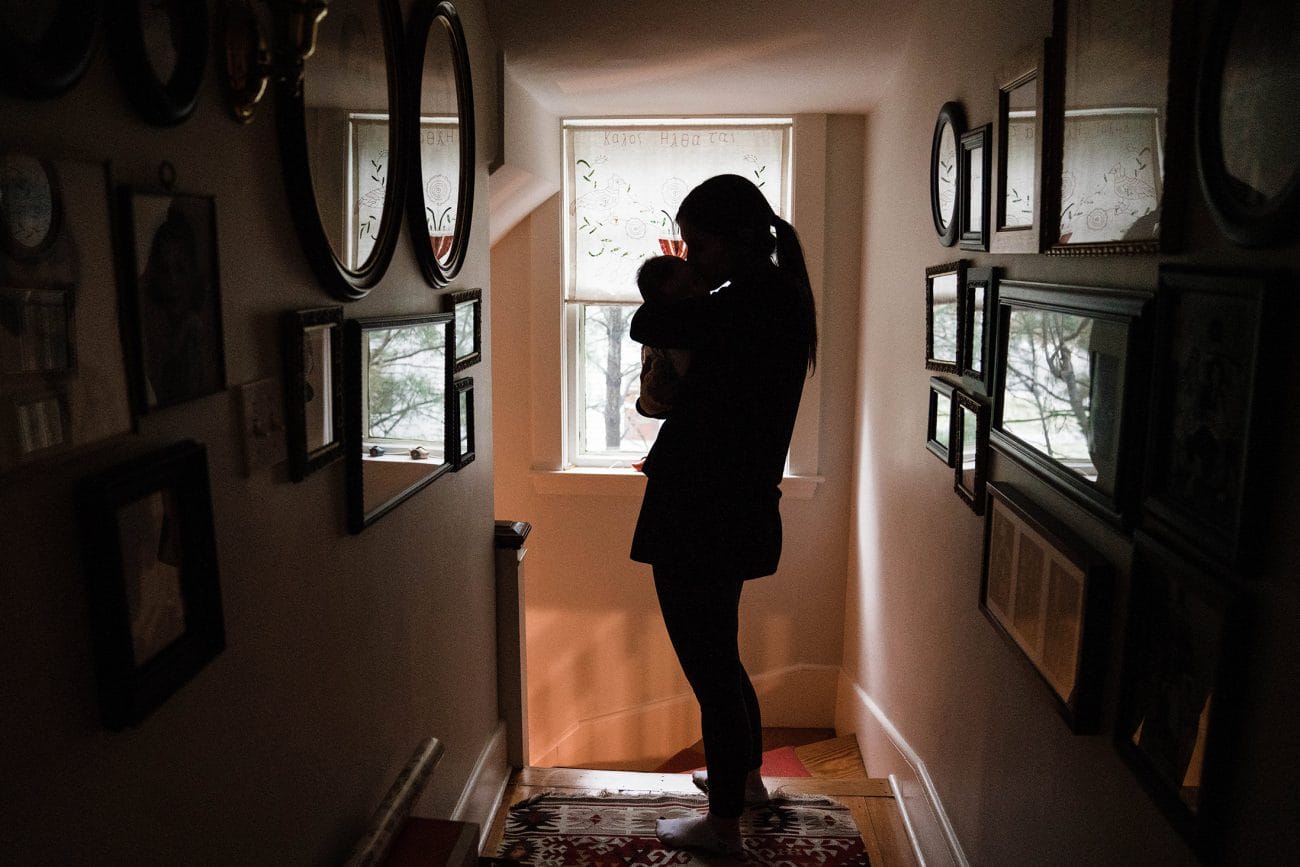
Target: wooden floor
{"x":834,"y":763}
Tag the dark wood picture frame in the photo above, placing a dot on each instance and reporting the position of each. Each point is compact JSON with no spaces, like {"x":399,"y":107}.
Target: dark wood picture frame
{"x":945,"y":189}
{"x":976,"y":162}
{"x":313,"y":382}
{"x":1048,"y":593}
{"x":151,"y":565}
{"x":938,"y":436}
{"x":162,"y":100}
{"x":1018,"y":132}
{"x":1113,"y":351}
{"x":939,"y":321}
{"x":979,"y":326}
{"x":463,"y":435}
{"x":1180,"y":690}
{"x":171,"y":297}
{"x":466,"y":305}
{"x":970,"y":447}
{"x":55,"y":62}
{"x":1208,"y":431}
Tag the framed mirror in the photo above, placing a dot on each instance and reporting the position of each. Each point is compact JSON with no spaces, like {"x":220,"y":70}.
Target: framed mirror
{"x":970,"y":446}
{"x":467,"y":307}
{"x":45,"y":48}
{"x":159,"y":51}
{"x":979,"y":297}
{"x":973,"y":182}
{"x":943,"y":316}
{"x":1070,"y":378}
{"x":440,"y":197}
{"x":464,"y":423}
{"x":340,"y":156}
{"x":401,"y":410}
{"x":313,"y":382}
{"x":1246,"y":126}
{"x":1018,"y":167}
{"x":944,"y":189}
{"x":938,"y":434}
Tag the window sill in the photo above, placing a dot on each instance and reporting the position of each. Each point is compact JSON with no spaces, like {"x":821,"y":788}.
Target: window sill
{"x":600,"y":482}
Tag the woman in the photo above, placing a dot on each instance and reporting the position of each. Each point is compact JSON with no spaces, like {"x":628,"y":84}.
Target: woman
{"x":710,"y":519}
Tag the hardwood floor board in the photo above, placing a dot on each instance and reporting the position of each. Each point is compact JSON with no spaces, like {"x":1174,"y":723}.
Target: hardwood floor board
{"x":833,"y":758}
{"x":895,"y":846}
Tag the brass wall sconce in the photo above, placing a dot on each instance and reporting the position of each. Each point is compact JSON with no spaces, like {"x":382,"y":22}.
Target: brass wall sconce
{"x":248,"y":63}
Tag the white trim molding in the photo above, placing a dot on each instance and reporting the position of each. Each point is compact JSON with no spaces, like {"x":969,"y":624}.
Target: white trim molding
{"x":620,"y":482}
{"x":485,"y":790}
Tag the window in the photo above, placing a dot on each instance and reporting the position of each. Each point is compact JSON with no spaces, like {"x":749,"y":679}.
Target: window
{"x":623,"y":183}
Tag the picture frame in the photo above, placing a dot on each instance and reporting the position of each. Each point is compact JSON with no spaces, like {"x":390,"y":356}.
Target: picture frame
{"x":943,"y":316}
{"x":1067,"y":395}
{"x":938,"y":438}
{"x":1208,"y":431}
{"x":151,"y":566}
{"x":1017,"y":200}
{"x":945,"y":191}
{"x":1251,"y":184}
{"x":970,"y":444}
{"x":975,"y":166}
{"x":171,"y":298}
{"x":463,"y":440}
{"x":52,"y":63}
{"x":466,"y":305}
{"x":979,"y":302}
{"x":1177,"y":712}
{"x":161,"y":96}
{"x":1049,"y":595}
{"x":1118,"y":120}
{"x":313,"y":382}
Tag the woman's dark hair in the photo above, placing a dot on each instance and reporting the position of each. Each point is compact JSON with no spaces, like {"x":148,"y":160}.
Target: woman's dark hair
{"x":731,"y":208}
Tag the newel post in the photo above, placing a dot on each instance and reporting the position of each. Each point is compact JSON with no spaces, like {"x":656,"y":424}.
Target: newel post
{"x":512,"y":685}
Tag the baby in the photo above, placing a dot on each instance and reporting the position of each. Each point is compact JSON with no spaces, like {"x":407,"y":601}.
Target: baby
{"x":664,"y":278}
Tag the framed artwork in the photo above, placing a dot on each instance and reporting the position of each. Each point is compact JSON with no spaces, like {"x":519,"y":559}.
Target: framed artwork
{"x":464,"y":438}
{"x":62,"y":378}
{"x":975,"y":161}
{"x":1208,"y":412}
{"x":944,"y":189}
{"x":1049,"y":595}
{"x":48,"y":59}
{"x":159,"y":51}
{"x":970,"y":442}
{"x":1248,"y":76}
{"x":979,"y":299}
{"x":171,"y":297}
{"x":1117,"y":124}
{"x":938,"y":436}
{"x":1178,"y":688}
{"x":313,"y":378}
{"x":943,"y":316}
{"x":1064,"y":404}
{"x":467,"y":307}
{"x":151,"y":564}
{"x":1018,"y":170}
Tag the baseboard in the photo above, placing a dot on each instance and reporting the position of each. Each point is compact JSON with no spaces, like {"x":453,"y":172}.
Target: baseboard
{"x":797,"y":696}
{"x":933,"y":838}
{"x":486,"y":787}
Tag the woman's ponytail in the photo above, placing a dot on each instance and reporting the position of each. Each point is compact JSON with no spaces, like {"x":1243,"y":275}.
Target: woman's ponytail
{"x":789,"y":257}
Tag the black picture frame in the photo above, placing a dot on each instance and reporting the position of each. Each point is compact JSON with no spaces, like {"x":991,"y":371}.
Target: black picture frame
{"x":51,"y":65}
{"x":386,"y":470}
{"x":466,"y":305}
{"x":1208,"y":431}
{"x":314,"y":395}
{"x":1048,"y":593}
{"x":1181,"y":688}
{"x":1247,"y":51}
{"x":938,"y":430}
{"x":463,"y":438}
{"x":151,"y":566}
{"x":975,"y":162}
{"x":171,"y":299}
{"x":970,"y":446}
{"x":945,"y":189}
{"x":1083,"y":436}
{"x":979,"y":326}
{"x":943,"y":316}
{"x":160,"y":99}
{"x":1017,"y":202}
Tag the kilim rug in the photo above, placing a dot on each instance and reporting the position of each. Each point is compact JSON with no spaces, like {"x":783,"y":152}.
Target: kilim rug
{"x":555,"y":830}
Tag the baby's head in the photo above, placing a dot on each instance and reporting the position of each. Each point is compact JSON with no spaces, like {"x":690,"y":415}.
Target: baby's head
{"x":668,"y":278}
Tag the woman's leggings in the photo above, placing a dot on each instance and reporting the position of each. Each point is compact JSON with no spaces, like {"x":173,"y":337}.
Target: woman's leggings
{"x":701,"y":610}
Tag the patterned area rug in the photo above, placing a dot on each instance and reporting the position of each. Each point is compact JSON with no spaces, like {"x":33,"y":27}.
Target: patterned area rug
{"x":554,"y":830}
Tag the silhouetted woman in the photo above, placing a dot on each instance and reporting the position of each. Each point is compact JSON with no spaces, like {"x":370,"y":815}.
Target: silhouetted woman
{"x":710,"y":519}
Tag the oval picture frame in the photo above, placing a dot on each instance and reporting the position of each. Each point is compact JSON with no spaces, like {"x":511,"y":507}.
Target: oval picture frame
{"x":161,"y":103}
{"x":51,"y":65}
{"x":944,"y":177}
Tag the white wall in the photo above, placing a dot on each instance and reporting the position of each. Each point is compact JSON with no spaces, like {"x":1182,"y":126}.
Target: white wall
{"x":343,"y":652}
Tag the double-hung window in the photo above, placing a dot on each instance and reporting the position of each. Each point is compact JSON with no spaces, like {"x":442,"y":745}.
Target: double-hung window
{"x":623,"y":183}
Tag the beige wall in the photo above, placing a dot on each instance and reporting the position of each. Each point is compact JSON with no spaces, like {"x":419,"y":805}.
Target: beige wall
{"x":1018,"y":787}
{"x":343,"y":652}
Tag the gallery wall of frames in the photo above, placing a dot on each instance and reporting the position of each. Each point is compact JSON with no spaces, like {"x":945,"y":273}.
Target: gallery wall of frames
{"x":1142,"y":407}
{"x":390,"y":394}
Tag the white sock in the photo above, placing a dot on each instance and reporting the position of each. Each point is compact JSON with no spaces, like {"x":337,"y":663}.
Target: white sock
{"x":755,"y":790}
{"x":700,"y":834}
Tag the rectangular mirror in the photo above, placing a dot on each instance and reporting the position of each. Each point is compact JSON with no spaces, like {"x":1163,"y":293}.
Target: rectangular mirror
{"x":970,"y":439}
{"x":313,"y":377}
{"x":1018,"y":171}
{"x":467,"y":306}
{"x":464,"y":423}
{"x":942,"y":316}
{"x":939,"y":429}
{"x":399,"y":415}
{"x":978,"y":298}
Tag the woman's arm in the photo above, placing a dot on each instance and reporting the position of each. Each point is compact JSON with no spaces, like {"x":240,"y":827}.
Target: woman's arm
{"x":684,"y":324}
